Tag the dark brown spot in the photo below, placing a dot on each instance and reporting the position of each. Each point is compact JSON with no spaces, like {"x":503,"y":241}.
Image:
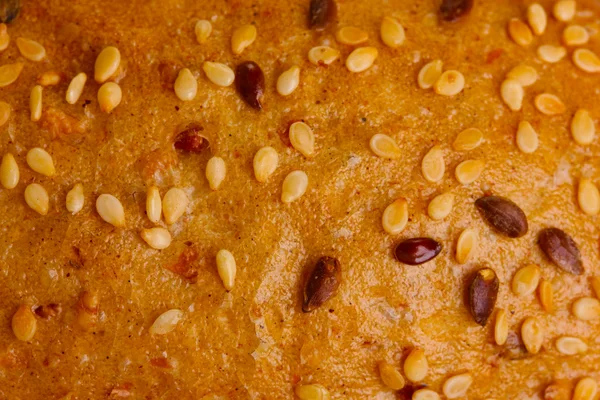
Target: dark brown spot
{"x":48,"y":311}
{"x":160,"y":362}
{"x":322,"y":283}
{"x":321,"y":13}
{"x":9,"y":10}
{"x":185,"y":265}
{"x":250,"y":83}
{"x":453,"y":10}
{"x":561,"y":249}
{"x":483,"y":291}
{"x":168,"y":72}
{"x":191,"y":140}
{"x":503,"y":215}
{"x":417,"y":250}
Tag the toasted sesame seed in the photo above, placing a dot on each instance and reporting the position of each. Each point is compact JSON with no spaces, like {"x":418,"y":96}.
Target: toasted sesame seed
{"x":9,"y":171}
{"x":512,"y":94}
{"x":243,"y":37}
{"x":24,"y":323}
{"x":384,"y":146}
{"x":519,"y":32}
{"x":361,"y":59}
{"x":9,"y":73}
{"x":390,"y":376}
{"x":202,"y":29}
{"x":532,"y":334}
{"x":430,"y":74}
{"x":468,"y":171}
{"x":351,"y":35}
{"x":466,"y":245}
{"x":36,"y":198}
{"x":586,"y":389}
{"x":441,"y":206}
{"x":425,"y":394}
{"x":588,"y":197}
{"x":586,"y":308}
{"x":110,"y":210}
{"x":219,"y":74}
{"x":216,"y":170}
{"x":35,"y":103}
{"x":392,"y":32}
{"x":5,"y":110}
{"x":432,"y":165}
{"x":395,"y":217}
{"x":457,"y":385}
{"x":575,"y":35}
{"x":549,"y":104}
{"x":468,"y":139}
{"x":450,"y":83}
{"x":546,"y":293}
{"x":227,"y":268}
{"x":564,"y":10}
{"x":75,"y":199}
{"x":527,"y":138}
{"x":583,"y":128}
{"x":109,"y":96}
{"x":537,"y":18}
{"x":76,"y":88}
{"x":185,"y":85}
{"x":526,"y":280}
{"x":302,"y":138}
{"x":49,"y":78}
{"x":570,"y":346}
{"x":107,"y":64}
{"x":294,"y":186}
{"x":584,"y":59}
{"x":288,"y":81}
{"x":323,"y":55}
{"x":153,"y":204}
{"x":551,"y":54}
{"x":312,"y":392}
{"x":501,"y":328}
{"x":30,"y":49}
{"x":523,"y":74}
{"x":265,"y":163}
{"x":4,"y":37}
{"x":416,"y":365}
{"x":157,"y":238}
{"x":174,"y":204}
{"x":166,"y":322}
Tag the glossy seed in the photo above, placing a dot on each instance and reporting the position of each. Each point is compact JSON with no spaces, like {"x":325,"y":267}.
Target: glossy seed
{"x":586,"y":309}
{"x":185,"y":86}
{"x":219,"y":74}
{"x":294,"y":186}
{"x":549,"y":104}
{"x":322,"y":283}
{"x":227,"y":268}
{"x":519,"y":32}
{"x":351,"y":35}
{"x":9,"y":73}
{"x":392,"y":32}
{"x":37,"y":198}
{"x":575,"y":35}
{"x":537,"y":18}
{"x":302,"y":138}
{"x":288,"y":81}
{"x":561,"y":249}
{"x":216,"y":170}
{"x":564,"y":10}
{"x":49,"y":78}
{"x":457,"y":386}
{"x":250,"y":83}
{"x":153,"y":204}
{"x":483,"y":291}
{"x":5,"y":110}
{"x":109,"y":96}
{"x":35,"y":103}
{"x":583,"y":128}
{"x":526,"y":280}
{"x":24,"y":323}
{"x":571,"y":346}
{"x":76,"y":88}
{"x":468,"y":139}
{"x":9,"y":171}
{"x":453,"y":10}
{"x":546,"y":293}
{"x":501,"y":328}
{"x":390,"y":376}
{"x":503,"y":215}
{"x":30,"y":49}
{"x":166,"y":322}
{"x":243,"y":37}
{"x":441,"y":206}
{"x":450,"y":83}
{"x":395,"y":217}
{"x":551,"y":54}
{"x":523,"y":74}
{"x":586,"y":389}
{"x":157,"y":238}
{"x":361,"y":59}
{"x":265,"y":163}
{"x":321,"y":13}
{"x":174,"y":204}
{"x":191,"y":140}
{"x":584,"y":59}
{"x":9,"y":10}
{"x":202,"y":30}
{"x":527,"y":138}
{"x":40,"y":161}
{"x":323,"y":55}
{"x":512,"y":94}
{"x":107,"y":64}
{"x":312,"y":392}
{"x":425,"y":394}
{"x":432,"y":165}
{"x":75,"y":199}
{"x":469,"y":171}
{"x":466,"y":245}
{"x":384,"y":146}
{"x":416,"y":365}
{"x":532,"y":334}
{"x":429,"y":74}
{"x":588,"y":197}
{"x":110,"y":210}
{"x":417,"y":250}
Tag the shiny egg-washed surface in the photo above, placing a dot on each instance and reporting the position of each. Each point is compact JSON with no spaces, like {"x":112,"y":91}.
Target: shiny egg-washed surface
{"x":382,"y":308}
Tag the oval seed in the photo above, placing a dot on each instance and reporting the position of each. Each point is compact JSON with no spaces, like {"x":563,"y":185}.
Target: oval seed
{"x":575,"y":35}
{"x":532,"y":334}
{"x":9,"y":10}
{"x":302,"y":138}
{"x":76,"y":88}
{"x":583,"y":128}
{"x":9,"y":73}
{"x":24,"y":323}
{"x":503,"y":215}
{"x":457,"y":386}
{"x":416,"y":366}
{"x":265,"y":163}
{"x":561,"y":249}
{"x":466,"y":245}
{"x":5,"y":110}
{"x":109,"y":96}
{"x":551,"y":54}
{"x":202,"y":30}
{"x":395,"y":217}
{"x":174,"y":203}
{"x":512,"y":94}
{"x":35,"y":103}
{"x":430,"y":74}
{"x":107,"y":64}
{"x":312,"y":392}
{"x":468,"y":171}
{"x":157,"y":238}
{"x":215,"y":172}
{"x":250,"y":83}
{"x":294,"y":186}
{"x":153,"y":204}
{"x":546,"y":293}
{"x":288,"y":81}
{"x":584,"y":59}
{"x":417,"y":251}
{"x":425,"y":394}
{"x":191,"y":140}
{"x":526,"y":280}
{"x":227,"y":268}
{"x":524,"y":74}
{"x":564,"y":10}
{"x":361,"y":59}
{"x":166,"y":322}
{"x":588,"y":197}
{"x":321,"y":13}
{"x":49,"y":78}
{"x":432,"y":165}
{"x":586,"y":308}
{"x":527,"y":138}
{"x":351,"y":35}
{"x":323,"y":55}
{"x":75,"y":199}
{"x":36,"y":198}
{"x":4,"y":37}
{"x":483,"y":292}
{"x":219,"y":74}
{"x":243,"y":37}
{"x":441,"y":206}
{"x":519,"y":32}
{"x":501,"y":328}
{"x":468,"y":139}
{"x":537,"y":18}
{"x":40,"y":161}
{"x":185,"y":86}
{"x":30,"y":49}
{"x":570,"y":346}
{"x":110,"y":210}
{"x":9,"y":171}
{"x":549,"y":104}
{"x":392,"y":32}
{"x":322,"y":283}
{"x":450,"y":83}
{"x":384,"y":146}
{"x":586,"y":389}
{"x":390,"y":376}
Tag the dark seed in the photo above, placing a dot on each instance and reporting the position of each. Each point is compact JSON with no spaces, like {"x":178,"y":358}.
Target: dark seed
{"x":191,"y":140}
{"x":452,"y":10}
{"x":514,"y":349}
{"x":48,"y":311}
{"x":322,"y":283}
{"x":9,"y":10}
{"x":482,"y":295}
{"x":417,"y":250}
{"x":321,"y":13}
{"x":504,"y":215}
{"x":250,"y":83}
{"x":561,"y":249}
